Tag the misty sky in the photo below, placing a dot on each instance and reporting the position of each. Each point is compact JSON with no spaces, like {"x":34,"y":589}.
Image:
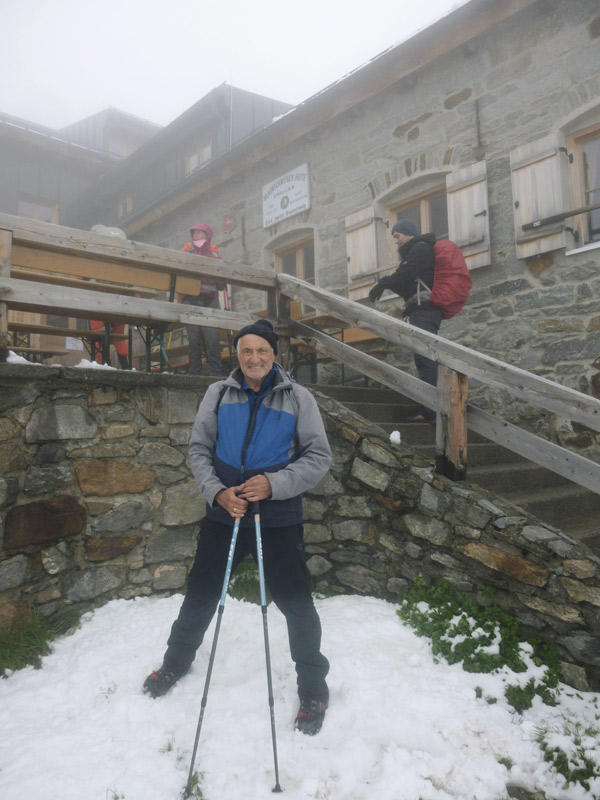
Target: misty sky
{"x":62,"y":60}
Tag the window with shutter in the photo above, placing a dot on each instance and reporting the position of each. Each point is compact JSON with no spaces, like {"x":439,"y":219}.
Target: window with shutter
{"x":468,"y":213}
{"x":540,"y":193}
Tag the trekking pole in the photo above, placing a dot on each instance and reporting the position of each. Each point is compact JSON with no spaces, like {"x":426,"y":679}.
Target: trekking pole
{"x":263,"y":603}
{"x":188,"y":789}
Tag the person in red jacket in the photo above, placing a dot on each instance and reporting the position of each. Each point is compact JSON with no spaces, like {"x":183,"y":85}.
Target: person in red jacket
{"x":203,"y":340}
{"x":121,"y":346}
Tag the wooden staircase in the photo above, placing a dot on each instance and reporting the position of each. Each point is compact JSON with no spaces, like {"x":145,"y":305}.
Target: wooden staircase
{"x":542,"y":493}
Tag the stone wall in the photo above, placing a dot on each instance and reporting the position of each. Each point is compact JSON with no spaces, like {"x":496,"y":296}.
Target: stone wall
{"x":97,"y":502}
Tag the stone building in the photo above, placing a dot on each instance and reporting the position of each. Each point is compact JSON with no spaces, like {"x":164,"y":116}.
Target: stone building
{"x":46,"y":173}
{"x":484,"y":127}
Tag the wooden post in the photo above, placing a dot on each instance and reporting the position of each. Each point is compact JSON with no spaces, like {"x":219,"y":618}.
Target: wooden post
{"x":451,"y":433}
{"x":5,"y":262}
{"x":283,"y":316}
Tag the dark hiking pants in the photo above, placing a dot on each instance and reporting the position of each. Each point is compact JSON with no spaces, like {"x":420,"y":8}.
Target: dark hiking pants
{"x":289,"y":582}
{"x":427,"y":370}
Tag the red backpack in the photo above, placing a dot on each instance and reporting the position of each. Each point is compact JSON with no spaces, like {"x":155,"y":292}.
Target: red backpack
{"x":451,"y":279}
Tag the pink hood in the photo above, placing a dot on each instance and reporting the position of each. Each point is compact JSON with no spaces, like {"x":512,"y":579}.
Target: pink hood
{"x":204,"y":248}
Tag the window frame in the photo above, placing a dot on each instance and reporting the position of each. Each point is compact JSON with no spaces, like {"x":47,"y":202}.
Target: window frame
{"x":580,"y":223}
{"x":36,"y":202}
{"x":298,"y":248}
{"x":197,"y":151}
{"x":423,"y":200}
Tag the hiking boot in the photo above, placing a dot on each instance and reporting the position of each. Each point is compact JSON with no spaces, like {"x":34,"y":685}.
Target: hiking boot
{"x":160,"y":681}
{"x":310,"y":716}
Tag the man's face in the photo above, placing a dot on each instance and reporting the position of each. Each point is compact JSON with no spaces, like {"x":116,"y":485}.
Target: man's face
{"x":256,"y":358}
{"x":401,"y":238}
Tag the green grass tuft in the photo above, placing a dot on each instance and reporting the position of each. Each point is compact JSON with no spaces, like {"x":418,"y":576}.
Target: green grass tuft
{"x":24,"y":645}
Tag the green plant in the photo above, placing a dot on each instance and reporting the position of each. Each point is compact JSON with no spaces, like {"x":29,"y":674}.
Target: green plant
{"x":195,"y":789}
{"x":573,"y":751}
{"x":244,"y":584}
{"x":484,"y":639}
{"x":25,"y":644}
{"x":170,"y":745}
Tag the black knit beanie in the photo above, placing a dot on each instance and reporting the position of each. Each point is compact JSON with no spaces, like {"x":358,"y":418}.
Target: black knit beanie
{"x":261,"y":328}
{"x":405,"y":226}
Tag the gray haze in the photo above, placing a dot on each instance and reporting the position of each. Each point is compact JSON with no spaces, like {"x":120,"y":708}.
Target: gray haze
{"x":62,"y":60}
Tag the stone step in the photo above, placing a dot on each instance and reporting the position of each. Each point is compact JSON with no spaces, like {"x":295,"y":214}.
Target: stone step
{"x":381,"y":412}
{"x":504,"y":478}
{"x":416,"y":434}
{"x":360,"y":394}
{"x":559,"y":503}
{"x":584,"y":528}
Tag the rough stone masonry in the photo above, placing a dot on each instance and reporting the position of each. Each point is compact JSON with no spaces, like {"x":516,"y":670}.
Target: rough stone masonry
{"x":97,"y":502}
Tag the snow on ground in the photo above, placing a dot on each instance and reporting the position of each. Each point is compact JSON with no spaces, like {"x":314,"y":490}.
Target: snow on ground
{"x":13,"y":358}
{"x":399,"y":726}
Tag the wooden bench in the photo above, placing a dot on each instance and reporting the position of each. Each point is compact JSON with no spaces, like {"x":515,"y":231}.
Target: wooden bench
{"x":76,"y":283}
{"x":53,"y":330}
{"x":40,"y":353}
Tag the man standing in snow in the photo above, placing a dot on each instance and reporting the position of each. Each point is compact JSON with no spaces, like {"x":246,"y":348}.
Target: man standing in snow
{"x":202,"y":339}
{"x":413,"y":280}
{"x":258,"y":438}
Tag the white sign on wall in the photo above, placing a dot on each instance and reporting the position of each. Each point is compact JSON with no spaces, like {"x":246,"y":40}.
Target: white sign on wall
{"x":286,"y":196}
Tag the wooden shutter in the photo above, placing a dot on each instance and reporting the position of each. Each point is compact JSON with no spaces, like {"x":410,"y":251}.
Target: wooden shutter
{"x":361,"y":246}
{"x":468,"y":213}
{"x":361,"y":249}
{"x":539,"y":181}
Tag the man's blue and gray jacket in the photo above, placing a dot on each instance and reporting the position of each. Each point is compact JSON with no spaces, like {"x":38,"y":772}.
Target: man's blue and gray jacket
{"x":277,"y":432}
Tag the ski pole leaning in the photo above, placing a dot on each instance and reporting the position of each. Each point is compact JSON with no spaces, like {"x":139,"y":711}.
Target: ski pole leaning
{"x":263,"y":603}
{"x":188,"y":789}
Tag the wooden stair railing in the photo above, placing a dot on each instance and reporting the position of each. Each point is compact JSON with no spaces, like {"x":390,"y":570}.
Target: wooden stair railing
{"x":450,"y":399}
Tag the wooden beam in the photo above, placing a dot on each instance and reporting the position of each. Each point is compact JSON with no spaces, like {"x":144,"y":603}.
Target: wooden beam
{"x":52,"y":330}
{"x":45,"y":237}
{"x":519,"y":383}
{"x":283,"y":315}
{"x":451,"y":432}
{"x":88,"y":304}
{"x":65,"y":280}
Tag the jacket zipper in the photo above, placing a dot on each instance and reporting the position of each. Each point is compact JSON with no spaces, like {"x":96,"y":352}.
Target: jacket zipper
{"x":250,"y":429}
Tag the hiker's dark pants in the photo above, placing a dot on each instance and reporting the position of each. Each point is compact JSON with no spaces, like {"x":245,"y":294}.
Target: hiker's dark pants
{"x":204,"y":341}
{"x":427,"y":370}
{"x":289,"y":582}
